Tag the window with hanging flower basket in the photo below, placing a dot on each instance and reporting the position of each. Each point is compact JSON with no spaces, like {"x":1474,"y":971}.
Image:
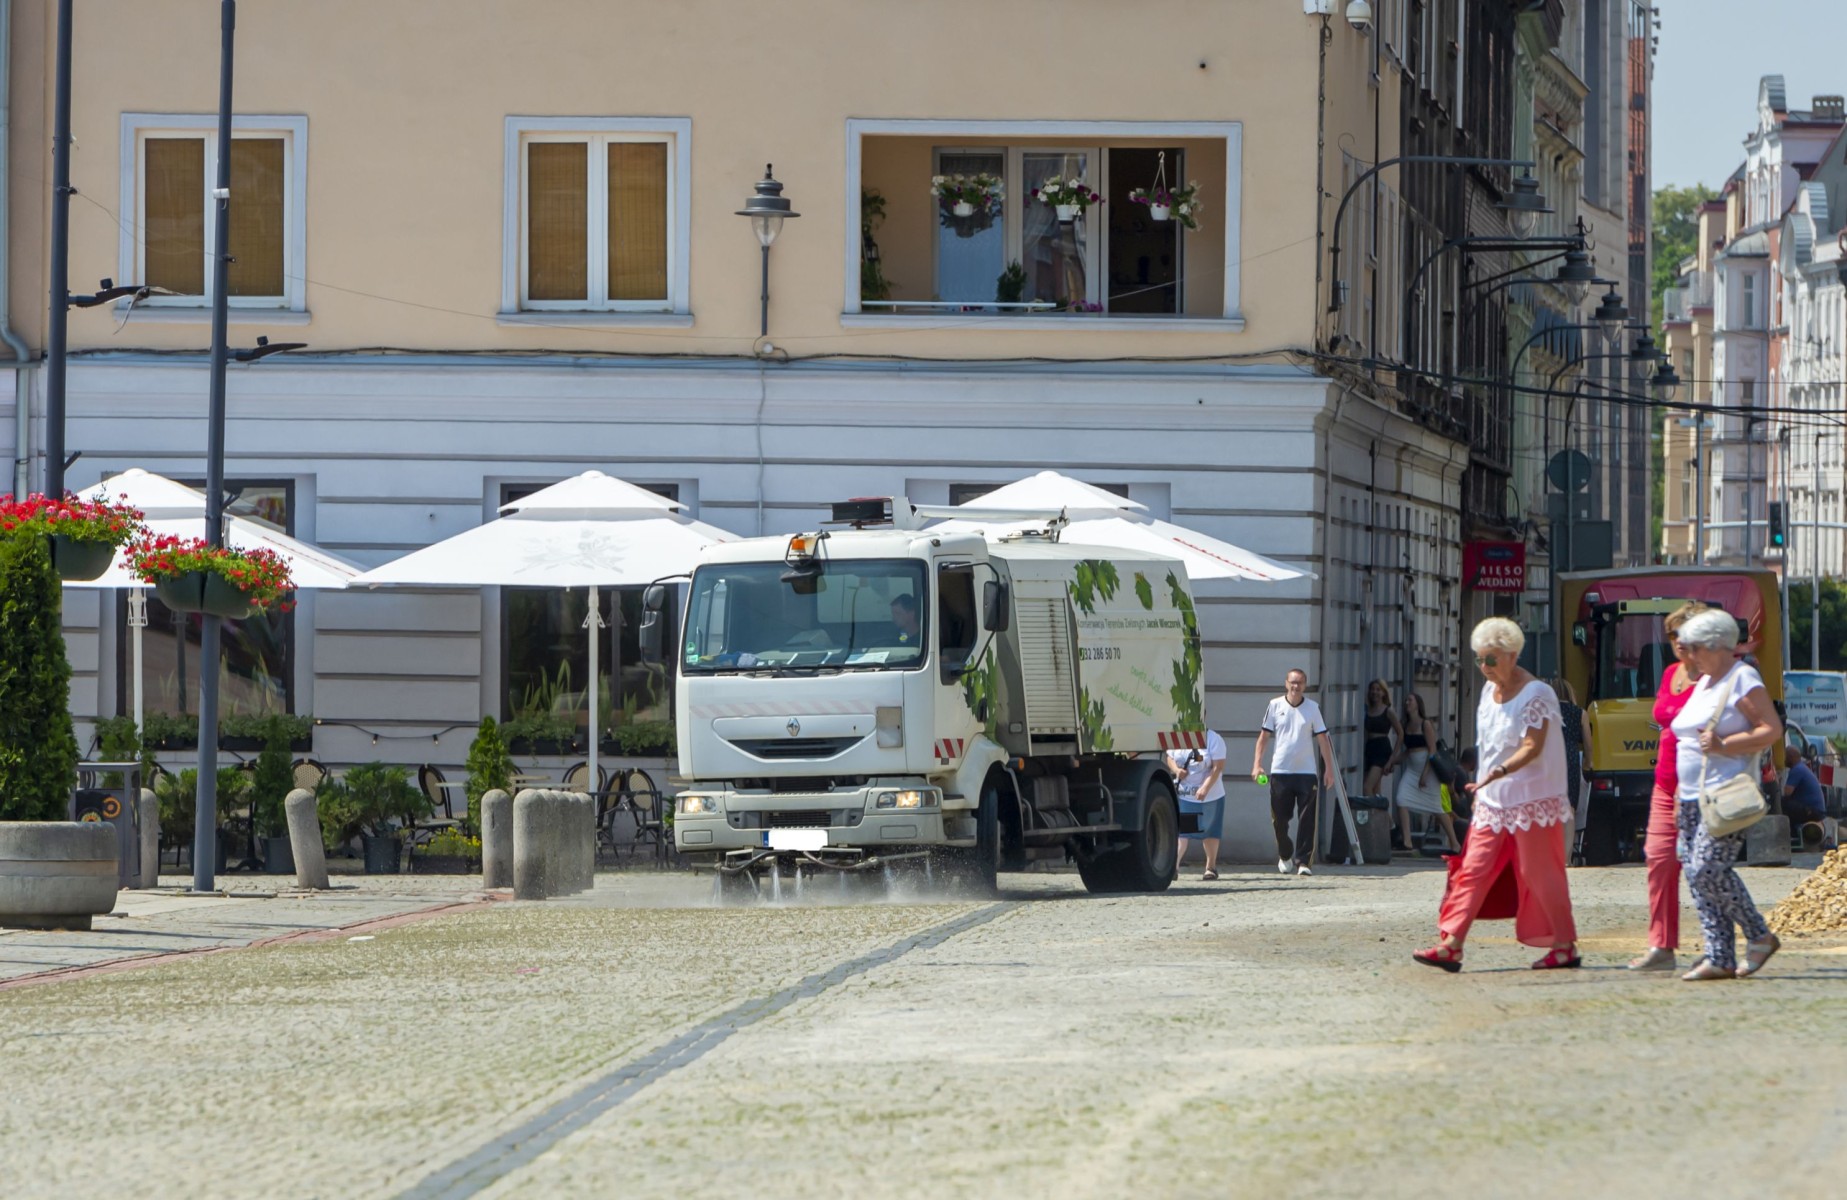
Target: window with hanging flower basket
{"x":190,"y":575}
{"x":1069,"y":198}
{"x":968,"y":203}
{"x":1175,"y":204}
{"x":85,"y":534}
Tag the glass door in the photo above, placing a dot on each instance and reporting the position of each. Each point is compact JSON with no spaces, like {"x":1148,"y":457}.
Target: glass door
{"x":1059,"y":257}
{"x":971,"y":251}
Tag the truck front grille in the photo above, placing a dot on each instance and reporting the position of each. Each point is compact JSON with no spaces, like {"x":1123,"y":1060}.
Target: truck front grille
{"x":798,"y":820}
{"x":782,"y":749}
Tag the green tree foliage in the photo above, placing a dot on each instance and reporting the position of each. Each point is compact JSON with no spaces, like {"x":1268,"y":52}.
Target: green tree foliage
{"x":38,"y":748}
{"x":273,"y":778}
{"x":1833,"y":625}
{"x":489,"y":766}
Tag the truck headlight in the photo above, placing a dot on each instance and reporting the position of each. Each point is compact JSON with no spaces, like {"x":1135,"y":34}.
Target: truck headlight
{"x":698,"y":806}
{"x":925,"y":798}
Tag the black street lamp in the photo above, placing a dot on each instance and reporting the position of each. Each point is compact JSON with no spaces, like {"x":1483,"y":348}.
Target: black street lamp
{"x":767,"y":210}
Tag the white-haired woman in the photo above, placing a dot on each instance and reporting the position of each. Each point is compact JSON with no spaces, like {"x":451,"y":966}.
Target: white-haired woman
{"x":1521,"y":809}
{"x":1726,"y":722}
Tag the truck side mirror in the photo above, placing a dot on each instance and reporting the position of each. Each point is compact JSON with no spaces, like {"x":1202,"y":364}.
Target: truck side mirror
{"x":653,"y":621}
{"x":1579,"y":634}
{"x":996,"y":612}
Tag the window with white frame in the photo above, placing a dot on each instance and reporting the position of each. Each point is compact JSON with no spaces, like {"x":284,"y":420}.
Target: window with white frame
{"x":170,"y":168}
{"x":597,"y":215}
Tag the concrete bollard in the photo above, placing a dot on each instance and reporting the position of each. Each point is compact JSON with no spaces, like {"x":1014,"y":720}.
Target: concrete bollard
{"x":147,"y":810}
{"x":57,"y":874}
{"x":554,"y":844}
{"x":304,"y":816}
{"x":1766,"y":844}
{"x":582,"y":845}
{"x":496,"y":839}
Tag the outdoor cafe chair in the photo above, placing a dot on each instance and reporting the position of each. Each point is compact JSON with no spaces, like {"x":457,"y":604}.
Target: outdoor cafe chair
{"x":577,"y":779}
{"x":308,"y":773}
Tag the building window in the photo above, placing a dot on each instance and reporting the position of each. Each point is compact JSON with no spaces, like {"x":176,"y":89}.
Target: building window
{"x":543,"y":678}
{"x":597,"y":215}
{"x":1749,"y":304}
{"x":1747,"y":392}
{"x":257,"y":673}
{"x":1114,"y":259}
{"x":170,"y":166}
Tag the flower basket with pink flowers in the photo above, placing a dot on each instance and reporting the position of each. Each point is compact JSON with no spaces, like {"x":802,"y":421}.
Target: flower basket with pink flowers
{"x":190,"y":575}
{"x":1069,"y":198}
{"x":85,"y":534}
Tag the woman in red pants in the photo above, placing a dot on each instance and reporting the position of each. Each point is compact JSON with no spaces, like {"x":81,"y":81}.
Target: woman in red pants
{"x":1522,"y":811}
{"x":1663,"y":862}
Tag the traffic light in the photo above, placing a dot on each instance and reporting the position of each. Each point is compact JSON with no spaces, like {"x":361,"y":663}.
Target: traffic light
{"x":1778,"y":537}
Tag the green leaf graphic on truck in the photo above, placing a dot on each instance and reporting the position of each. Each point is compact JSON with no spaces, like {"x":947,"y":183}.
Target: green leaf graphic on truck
{"x":1189,"y":705}
{"x":1144,"y":591}
{"x":1095,"y":578}
{"x":1096,"y":726}
{"x":978,"y":692}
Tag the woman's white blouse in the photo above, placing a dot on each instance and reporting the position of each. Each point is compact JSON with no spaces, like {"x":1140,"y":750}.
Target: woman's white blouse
{"x":1534,"y":795}
{"x":1692,"y":719}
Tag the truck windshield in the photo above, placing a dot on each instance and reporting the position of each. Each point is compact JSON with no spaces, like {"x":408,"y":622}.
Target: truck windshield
{"x":859,"y":615}
{"x":1633,"y":652}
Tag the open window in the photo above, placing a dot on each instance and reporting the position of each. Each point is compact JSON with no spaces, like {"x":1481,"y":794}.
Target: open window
{"x":956,"y":625}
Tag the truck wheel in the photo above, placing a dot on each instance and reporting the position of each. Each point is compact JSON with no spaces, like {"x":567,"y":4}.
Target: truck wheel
{"x":1102,"y":875}
{"x":977,"y":869}
{"x":1147,"y":862}
{"x":1600,"y":840}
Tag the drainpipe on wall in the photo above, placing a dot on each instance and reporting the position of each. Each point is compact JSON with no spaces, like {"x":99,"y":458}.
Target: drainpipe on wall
{"x":22,"y":406}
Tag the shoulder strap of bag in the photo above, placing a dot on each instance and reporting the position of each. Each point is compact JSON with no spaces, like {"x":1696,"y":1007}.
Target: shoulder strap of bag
{"x":1712,"y":722}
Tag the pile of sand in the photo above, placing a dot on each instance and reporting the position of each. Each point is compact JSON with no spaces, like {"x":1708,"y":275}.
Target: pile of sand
{"x":1819,"y":903}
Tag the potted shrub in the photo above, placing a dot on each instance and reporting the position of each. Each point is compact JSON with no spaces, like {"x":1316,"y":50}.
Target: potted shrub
{"x":386,"y":802}
{"x":1069,"y":198}
{"x":1010,"y":285}
{"x":1165,"y":203}
{"x":191,"y":575}
{"x":178,"y":796}
{"x":269,"y":788}
{"x":451,"y":852}
{"x":489,"y":766}
{"x":643,"y":739}
{"x":38,"y":748}
{"x":339,"y":815}
{"x":250,"y":731}
{"x":83,"y":534}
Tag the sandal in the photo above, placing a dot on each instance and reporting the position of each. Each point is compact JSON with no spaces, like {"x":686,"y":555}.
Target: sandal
{"x":1448,"y":958}
{"x":1706,"y":971}
{"x":1557,"y":959}
{"x":1658,"y":958}
{"x":1209,"y":876}
{"x":1756,"y":954}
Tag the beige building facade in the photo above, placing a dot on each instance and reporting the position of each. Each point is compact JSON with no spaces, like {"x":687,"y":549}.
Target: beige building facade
{"x":508,"y":235}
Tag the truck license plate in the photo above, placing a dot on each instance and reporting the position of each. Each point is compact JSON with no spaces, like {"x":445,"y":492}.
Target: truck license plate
{"x":795,"y":839}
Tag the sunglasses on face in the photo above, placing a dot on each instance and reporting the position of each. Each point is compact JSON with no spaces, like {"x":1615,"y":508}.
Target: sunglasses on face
{"x":1489,"y":661}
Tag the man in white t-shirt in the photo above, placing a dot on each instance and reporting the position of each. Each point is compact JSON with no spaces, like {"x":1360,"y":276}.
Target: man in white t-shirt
{"x":1201,"y":776}
{"x":1294,"y":722}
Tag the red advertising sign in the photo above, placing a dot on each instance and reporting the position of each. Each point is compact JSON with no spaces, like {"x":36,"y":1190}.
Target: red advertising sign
{"x":1494,"y":566}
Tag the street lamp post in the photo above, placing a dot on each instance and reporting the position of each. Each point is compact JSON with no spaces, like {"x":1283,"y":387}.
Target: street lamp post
{"x":767,"y":209}
{"x":1815,"y":562}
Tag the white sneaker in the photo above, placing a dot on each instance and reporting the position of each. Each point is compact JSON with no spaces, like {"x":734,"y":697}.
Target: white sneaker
{"x":1282,"y":866}
{"x":1302,"y":869}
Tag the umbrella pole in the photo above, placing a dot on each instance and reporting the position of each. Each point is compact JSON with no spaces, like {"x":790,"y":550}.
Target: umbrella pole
{"x":137,"y":621}
{"x":593,"y":621}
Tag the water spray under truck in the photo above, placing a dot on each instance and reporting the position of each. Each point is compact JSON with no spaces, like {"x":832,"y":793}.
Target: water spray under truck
{"x":872,"y":697}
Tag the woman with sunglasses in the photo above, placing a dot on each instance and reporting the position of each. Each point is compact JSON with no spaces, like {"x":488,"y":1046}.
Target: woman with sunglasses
{"x":1658,"y":848}
{"x":1521,"y":809}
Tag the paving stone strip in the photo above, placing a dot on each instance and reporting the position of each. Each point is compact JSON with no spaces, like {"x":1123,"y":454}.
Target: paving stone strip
{"x":520,"y":1146}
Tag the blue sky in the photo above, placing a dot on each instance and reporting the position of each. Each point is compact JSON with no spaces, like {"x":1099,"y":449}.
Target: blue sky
{"x":1711,"y":56}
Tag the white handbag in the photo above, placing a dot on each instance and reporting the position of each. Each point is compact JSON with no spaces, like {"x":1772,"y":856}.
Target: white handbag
{"x":1738,"y":803}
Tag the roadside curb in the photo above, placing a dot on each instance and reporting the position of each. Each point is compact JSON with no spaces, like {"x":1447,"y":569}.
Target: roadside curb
{"x":63,"y":974}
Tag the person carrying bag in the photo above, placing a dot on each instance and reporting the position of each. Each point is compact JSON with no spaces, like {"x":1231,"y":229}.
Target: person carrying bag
{"x":1727,"y":721}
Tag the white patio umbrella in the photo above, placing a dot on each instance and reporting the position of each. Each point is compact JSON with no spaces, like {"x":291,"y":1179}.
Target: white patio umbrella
{"x":174,"y":510}
{"x":590,"y":531}
{"x":1094,"y":517}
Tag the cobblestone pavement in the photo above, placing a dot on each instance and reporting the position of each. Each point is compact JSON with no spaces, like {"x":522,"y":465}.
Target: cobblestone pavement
{"x":1258,"y":1035}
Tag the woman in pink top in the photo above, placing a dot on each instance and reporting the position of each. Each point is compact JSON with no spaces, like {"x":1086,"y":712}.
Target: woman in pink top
{"x":1521,"y":809}
{"x":1663,"y":862}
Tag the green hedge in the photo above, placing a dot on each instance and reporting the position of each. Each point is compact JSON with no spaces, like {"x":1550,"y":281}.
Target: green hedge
{"x":38,"y":749}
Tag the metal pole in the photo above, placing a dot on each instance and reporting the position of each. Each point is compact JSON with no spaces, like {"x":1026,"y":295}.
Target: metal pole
{"x":55,"y":328}
{"x":1815,"y":565}
{"x":1699,"y":483}
{"x":1750,"y":477}
{"x":137,"y":621}
{"x":205,"y":820}
{"x":765,"y":298}
{"x":594,"y":623}
{"x":1784,"y":443}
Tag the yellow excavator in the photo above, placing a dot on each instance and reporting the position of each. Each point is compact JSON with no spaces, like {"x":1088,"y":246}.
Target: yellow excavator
{"x":1613,"y":651}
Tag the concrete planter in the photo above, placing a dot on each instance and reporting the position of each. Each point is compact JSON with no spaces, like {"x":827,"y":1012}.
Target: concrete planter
{"x":56,"y":874}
